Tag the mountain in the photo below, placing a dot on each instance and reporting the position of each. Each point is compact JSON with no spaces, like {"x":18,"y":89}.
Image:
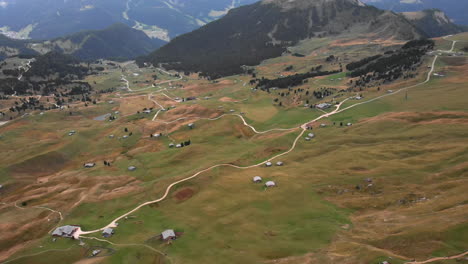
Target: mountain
{"x":433,"y":22}
{"x":118,"y":41}
{"x":455,"y":9}
{"x":162,"y":19}
{"x":10,"y":47}
{"x":249,"y":34}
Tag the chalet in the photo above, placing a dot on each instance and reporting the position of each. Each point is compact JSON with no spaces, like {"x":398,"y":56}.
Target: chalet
{"x":168,"y":235}
{"x":311,"y":135}
{"x":65,"y":231}
{"x":323,"y":106}
{"x":191,"y":125}
{"x":279,"y":163}
{"x":125,"y":137}
{"x":89,"y":165}
{"x":358,"y":97}
{"x":270,"y":184}
{"x":307,"y":138}
{"x":108,"y":232}
{"x":157,"y":135}
{"x":323,"y":125}
{"x":95,"y":252}
{"x":132,"y":168}
{"x":349,"y":124}
{"x":147,"y":112}
{"x":268,"y":164}
{"x":390,"y":91}
{"x":111,"y":136}
{"x":257,"y":179}
{"x":232,"y":110}
{"x":171,"y":145}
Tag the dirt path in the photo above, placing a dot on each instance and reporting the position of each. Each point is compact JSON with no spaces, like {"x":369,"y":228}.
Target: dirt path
{"x":39,"y":253}
{"x":129,"y":245}
{"x":221,"y":116}
{"x":338,"y":109}
{"x":113,"y":224}
{"x":439,"y":259}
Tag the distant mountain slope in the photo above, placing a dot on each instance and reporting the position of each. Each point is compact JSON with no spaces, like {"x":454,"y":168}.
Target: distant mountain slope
{"x":9,"y":47}
{"x":455,"y":9}
{"x":116,"y":41}
{"x":249,"y":34}
{"x":163,"y":19}
{"x":433,"y":22}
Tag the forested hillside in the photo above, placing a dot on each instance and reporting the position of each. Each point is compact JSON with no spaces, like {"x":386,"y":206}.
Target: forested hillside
{"x":250,"y":34}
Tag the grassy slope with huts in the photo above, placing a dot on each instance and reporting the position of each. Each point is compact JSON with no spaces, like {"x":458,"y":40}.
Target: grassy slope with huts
{"x":324,"y":210}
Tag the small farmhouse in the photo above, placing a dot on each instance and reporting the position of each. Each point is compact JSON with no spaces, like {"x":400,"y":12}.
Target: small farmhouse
{"x":168,"y":235}
{"x":65,"y":231}
{"x":323,"y":106}
{"x":270,"y":184}
{"x":257,"y":179}
{"x":108,"y":232}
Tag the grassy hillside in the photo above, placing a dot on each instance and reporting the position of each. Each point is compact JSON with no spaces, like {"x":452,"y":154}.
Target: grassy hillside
{"x":388,"y":187}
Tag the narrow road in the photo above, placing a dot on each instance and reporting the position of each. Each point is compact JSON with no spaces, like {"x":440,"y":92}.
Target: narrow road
{"x":338,"y":109}
{"x":439,"y":259}
{"x":26,"y":69}
{"x":223,"y":115}
{"x":113,"y":224}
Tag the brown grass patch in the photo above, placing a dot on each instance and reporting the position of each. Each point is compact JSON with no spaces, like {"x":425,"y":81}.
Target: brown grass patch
{"x":228,"y":100}
{"x":198,"y":89}
{"x":184,"y":194}
{"x":423,"y":117}
{"x":41,"y":165}
{"x":191,"y":111}
{"x":130,"y":105}
{"x":455,"y":61}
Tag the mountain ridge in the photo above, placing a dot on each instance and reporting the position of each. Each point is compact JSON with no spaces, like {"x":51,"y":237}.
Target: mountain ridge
{"x":118,"y":41}
{"x":434,"y":22}
{"x":249,"y":34}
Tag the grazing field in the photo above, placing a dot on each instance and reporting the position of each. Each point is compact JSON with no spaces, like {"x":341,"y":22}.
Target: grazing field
{"x":387,"y":187}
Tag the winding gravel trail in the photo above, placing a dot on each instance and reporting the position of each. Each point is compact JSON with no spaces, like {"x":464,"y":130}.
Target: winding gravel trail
{"x":113,"y":224}
{"x":439,"y":259}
